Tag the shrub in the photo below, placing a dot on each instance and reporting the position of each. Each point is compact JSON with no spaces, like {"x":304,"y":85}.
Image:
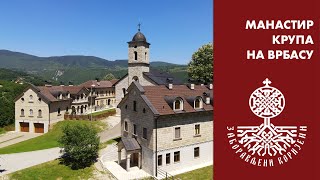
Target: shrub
{"x":81,"y":145}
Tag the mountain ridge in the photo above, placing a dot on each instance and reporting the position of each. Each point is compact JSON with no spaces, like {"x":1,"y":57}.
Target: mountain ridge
{"x":75,"y":68}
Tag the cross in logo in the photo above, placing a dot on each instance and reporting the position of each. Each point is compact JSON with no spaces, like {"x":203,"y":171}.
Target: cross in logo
{"x":266,"y":82}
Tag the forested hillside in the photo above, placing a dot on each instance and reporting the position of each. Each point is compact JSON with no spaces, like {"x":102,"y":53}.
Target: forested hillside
{"x":76,"y":69}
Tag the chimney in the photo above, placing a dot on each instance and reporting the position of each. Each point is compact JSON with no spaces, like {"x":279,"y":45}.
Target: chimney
{"x":191,"y":84}
{"x":170,"y":84}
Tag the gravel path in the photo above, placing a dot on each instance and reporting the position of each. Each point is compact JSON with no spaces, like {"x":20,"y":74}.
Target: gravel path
{"x":113,"y":131}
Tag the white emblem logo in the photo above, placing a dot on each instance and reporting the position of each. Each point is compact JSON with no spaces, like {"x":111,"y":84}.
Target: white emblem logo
{"x":260,"y":145}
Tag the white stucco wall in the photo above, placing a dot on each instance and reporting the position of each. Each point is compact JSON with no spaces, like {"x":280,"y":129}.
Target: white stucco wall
{"x":187,"y":159}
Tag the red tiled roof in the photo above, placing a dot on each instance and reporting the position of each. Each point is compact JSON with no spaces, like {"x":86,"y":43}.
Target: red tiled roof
{"x":98,"y":84}
{"x":51,"y":92}
{"x":113,"y":81}
{"x":157,"y":96}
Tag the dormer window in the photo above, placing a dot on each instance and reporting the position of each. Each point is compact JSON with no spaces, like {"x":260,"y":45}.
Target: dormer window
{"x":198,"y":103}
{"x":178,"y":104}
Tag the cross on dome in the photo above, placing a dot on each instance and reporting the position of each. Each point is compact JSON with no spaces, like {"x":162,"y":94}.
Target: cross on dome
{"x":267,"y":82}
{"x":139,"y":25}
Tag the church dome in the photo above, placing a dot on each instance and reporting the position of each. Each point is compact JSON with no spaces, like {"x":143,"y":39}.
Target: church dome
{"x":139,"y":37}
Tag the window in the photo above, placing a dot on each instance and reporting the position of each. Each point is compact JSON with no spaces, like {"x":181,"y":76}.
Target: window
{"x":31,"y":112}
{"x":197,"y":103}
{"x":177,"y":156}
{"x":177,"y":132}
{"x":124,"y":91}
{"x":39,"y":113}
{"x":135,"y":129}
{"x":144,"y":110}
{"x":159,"y":160}
{"x":178,"y":104}
{"x":196,"y":152}
{"x":39,"y":99}
{"x":197,"y":129}
{"x":135,"y":105}
{"x":22,"y":112}
{"x":67,"y":109}
{"x":31,"y":98}
{"x":126,"y":126}
{"x":126,"y":107}
{"x":168,"y":158}
{"x":59,"y":111}
{"x":135,"y":55}
{"x":145,"y":133}
{"x":22,"y":99}
{"x":135,"y":78}
{"x":145,"y":56}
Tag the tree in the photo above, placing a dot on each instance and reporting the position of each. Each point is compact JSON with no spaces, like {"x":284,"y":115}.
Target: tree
{"x":200,"y":68}
{"x":81,"y":145}
{"x":109,"y":77}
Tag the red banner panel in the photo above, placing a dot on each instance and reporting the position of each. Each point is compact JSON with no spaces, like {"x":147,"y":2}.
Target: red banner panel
{"x":266,"y":90}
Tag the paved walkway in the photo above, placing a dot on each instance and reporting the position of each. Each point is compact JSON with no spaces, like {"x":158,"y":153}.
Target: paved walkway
{"x":114,"y":131}
{"x":109,"y":158}
{"x":13,"y":137}
{"x":17,"y":161}
{"x":122,"y":174}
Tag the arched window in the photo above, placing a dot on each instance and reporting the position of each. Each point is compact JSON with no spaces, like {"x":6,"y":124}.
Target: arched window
{"x":178,"y":104}
{"x":135,"y":55}
{"x":198,"y":103}
{"x":39,"y":113}
{"x":135,"y":78}
{"x":31,"y":98}
{"x":22,"y":112}
{"x":109,"y":101}
{"x":39,"y":99}
{"x":145,"y":56}
{"x":31,"y":112}
{"x":22,"y":99}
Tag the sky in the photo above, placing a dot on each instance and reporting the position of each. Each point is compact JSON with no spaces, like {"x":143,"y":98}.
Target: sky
{"x":102,"y":28}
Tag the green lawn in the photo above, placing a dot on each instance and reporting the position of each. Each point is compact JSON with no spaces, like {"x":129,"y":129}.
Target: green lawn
{"x":205,"y":173}
{"x":111,"y":141}
{"x":52,"y":170}
{"x":48,"y":140}
{"x":102,"y":112}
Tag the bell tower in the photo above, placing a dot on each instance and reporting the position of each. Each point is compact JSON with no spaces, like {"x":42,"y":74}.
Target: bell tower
{"x":138,"y":56}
